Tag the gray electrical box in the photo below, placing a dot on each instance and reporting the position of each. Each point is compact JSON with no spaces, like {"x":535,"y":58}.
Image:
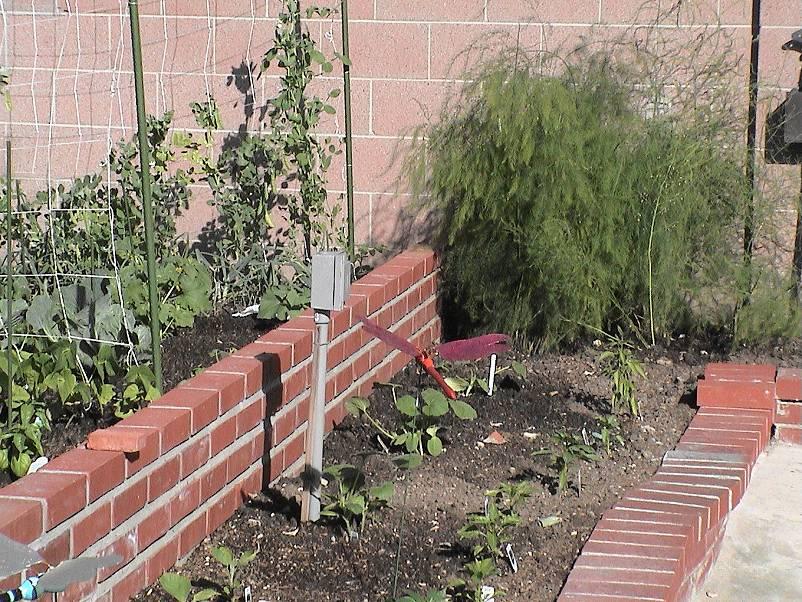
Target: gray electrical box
{"x":331,"y":280}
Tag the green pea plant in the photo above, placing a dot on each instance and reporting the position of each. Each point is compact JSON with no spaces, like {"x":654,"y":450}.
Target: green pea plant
{"x":609,"y":433}
{"x":567,"y":450}
{"x":350,"y":501}
{"x":419,"y":428}
{"x":491,"y":530}
{"x":466,"y":386}
{"x":180,"y":587}
{"x":433,"y":595}
{"x":621,"y":367}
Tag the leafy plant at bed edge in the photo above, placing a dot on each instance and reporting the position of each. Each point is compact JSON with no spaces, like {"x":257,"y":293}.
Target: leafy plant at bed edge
{"x":419,"y":429}
{"x":180,"y":587}
{"x":568,"y":449}
{"x":609,"y":433}
{"x":351,"y":500}
{"x":621,"y":367}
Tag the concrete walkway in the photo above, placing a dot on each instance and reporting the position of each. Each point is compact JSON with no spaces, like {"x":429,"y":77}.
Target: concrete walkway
{"x":761,"y":555}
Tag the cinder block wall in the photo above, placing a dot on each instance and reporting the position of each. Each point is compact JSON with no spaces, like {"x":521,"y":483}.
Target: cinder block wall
{"x":151,"y":487}
{"x":71,"y":67}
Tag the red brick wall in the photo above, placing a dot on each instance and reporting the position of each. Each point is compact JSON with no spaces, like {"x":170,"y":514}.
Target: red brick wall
{"x":154,"y":485}
{"x":408,"y":56}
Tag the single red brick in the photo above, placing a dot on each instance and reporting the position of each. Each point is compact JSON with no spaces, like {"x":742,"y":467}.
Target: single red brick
{"x":294,"y":449}
{"x":275,"y":465}
{"x":335,"y":355}
{"x":222,"y":510}
{"x":788,"y":413}
{"x":283,"y":425}
{"x":61,"y":494}
{"x":370,"y":295}
{"x":301,"y":341}
{"x":173,"y":425}
{"x":295,"y":383}
{"x":195,"y":456}
{"x":119,"y":439}
{"x":237,"y":461}
{"x":163,"y":478}
{"x":789,"y":434}
{"x":57,"y":550}
{"x":163,"y":560}
{"x":789,"y":384}
{"x":90,"y":529}
{"x":130,"y":585}
{"x":153,"y":526}
{"x":124,"y":547}
{"x":126,"y":503}
{"x":743,"y":372}
{"x":250,"y":416}
{"x":736,"y":394}
{"x":617,"y":591}
{"x":223,"y":435}
{"x":358,"y":304}
{"x":185,"y":500}
{"x":250,"y":369}
{"x":251,"y":484}
{"x":340,"y":322}
{"x":302,"y":410}
{"x":387,"y":281}
{"x":192,"y":534}
{"x":21,"y":520}
{"x":213,"y":480}
{"x":230,"y":388}
{"x":103,"y":470}
{"x":202,"y":405}
{"x":275,"y":357}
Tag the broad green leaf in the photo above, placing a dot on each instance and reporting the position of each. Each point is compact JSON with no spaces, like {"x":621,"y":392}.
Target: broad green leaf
{"x":406,"y":405}
{"x":457,"y":383}
{"x":436,"y":403}
{"x":549,"y":521}
{"x":383,"y":492}
{"x":357,"y":405}
{"x":462,"y":410}
{"x":355,"y":505}
{"x":246,"y":557}
{"x":205,"y":594}
{"x":223,"y":555}
{"x":519,"y":369}
{"x":178,"y":586}
{"x":434,"y":446}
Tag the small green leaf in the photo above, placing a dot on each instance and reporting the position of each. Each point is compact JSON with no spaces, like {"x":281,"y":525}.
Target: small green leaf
{"x":456,"y":383}
{"x":434,"y":446}
{"x":357,"y":405}
{"x":178,"y":586}
{"x":549,"y":521}
{"x":519,"y":369}
{"x":462,"y":410}
{"x":223,"y":555}
{"x":406,"y":405}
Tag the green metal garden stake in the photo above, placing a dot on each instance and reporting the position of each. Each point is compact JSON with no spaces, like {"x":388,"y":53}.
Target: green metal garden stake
{"x":147,"y":202}
{"x":349,"y":141}
{"x":9,"y":288}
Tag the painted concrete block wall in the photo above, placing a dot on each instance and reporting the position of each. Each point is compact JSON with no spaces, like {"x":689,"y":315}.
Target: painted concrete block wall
{"x":72,"y":84}
{"x":153,"y":486}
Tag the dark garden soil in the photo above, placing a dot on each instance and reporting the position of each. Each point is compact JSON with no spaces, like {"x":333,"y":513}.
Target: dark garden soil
{"x":184,"y":353}
{"x":430,"y":504}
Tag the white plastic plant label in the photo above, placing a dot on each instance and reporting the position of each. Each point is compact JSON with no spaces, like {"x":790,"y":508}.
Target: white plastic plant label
{"x":487,"y":593}
{"x":511,"y":557}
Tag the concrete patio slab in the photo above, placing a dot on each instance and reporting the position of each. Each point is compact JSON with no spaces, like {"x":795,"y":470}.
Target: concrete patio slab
{"x":761,"y":555}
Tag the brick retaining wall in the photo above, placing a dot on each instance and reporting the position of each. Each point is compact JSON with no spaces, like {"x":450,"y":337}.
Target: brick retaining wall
{"x":660,"y":540}
{"x":151,"y":487}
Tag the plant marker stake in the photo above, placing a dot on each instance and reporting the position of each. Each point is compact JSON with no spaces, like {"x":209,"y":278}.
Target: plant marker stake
{"x":492,"y":377}
{"x":331,"y":283}
{"x":9,"y":289}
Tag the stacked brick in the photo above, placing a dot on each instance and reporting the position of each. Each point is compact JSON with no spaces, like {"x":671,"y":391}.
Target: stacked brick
{"x":153,"y":486}
{"x":660,"y":540}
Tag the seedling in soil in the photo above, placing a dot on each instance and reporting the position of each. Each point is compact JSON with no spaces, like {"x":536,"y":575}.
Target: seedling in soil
{"x":471,"y":589}
{"x":609,"y":433}
{"x":621,"y":367}
{"x":569,"y":448}
{"x":419,"y":432}
{"x":180,"y":587}
{"x":430,"y":596}
{"x":492,"y":526}
{"x":467,"y":385}
{"x":352,"y":500}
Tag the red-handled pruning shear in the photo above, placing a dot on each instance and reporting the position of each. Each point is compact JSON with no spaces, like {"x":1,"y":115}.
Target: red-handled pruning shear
{"x":461,"y":350}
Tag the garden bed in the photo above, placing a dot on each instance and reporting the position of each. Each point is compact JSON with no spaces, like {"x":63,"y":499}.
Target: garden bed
{"x":183,"y":353}
{"x":559,"y":392}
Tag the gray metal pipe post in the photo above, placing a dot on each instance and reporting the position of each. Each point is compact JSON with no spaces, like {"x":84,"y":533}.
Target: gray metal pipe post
{"x":310,"y":508}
